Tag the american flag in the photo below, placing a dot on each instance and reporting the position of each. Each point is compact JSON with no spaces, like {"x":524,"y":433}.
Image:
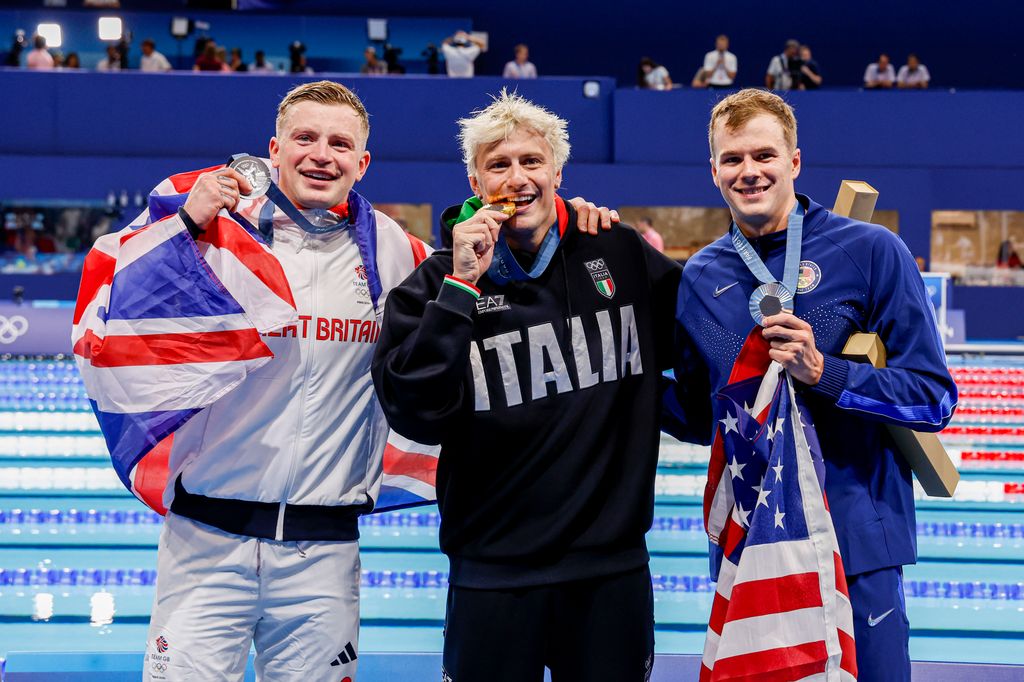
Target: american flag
{"x":781,"y":609}
{"x":165,"y":325}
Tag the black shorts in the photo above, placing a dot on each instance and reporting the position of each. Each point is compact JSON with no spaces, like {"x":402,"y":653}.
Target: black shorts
{"x":584,"y":631}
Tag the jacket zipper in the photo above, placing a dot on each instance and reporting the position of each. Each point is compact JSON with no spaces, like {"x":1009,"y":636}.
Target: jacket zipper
{"x":311,"y":347}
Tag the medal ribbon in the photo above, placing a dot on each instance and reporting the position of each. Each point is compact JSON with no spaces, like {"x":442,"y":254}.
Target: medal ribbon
{"x":356,"y":212}
{"x":504,"y":267}
{"x":794,"y":237}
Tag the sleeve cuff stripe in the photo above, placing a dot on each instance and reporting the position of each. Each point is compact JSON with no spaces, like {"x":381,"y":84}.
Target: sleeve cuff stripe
{"x":465,"y":286}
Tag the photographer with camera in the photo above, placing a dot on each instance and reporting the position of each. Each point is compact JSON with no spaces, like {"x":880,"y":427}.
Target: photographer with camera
{"x":297,"y":54}
{"x":784,"y":69}
{"x":460,"y":50}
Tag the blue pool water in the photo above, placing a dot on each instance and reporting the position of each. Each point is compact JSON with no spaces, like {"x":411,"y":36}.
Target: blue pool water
{"x":78,"y":553}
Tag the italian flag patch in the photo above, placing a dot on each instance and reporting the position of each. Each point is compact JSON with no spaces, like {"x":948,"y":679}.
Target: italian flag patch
{"x":602,"y":277}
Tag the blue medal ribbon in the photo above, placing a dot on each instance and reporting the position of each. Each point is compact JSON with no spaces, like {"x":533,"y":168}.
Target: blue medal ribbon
{"x":505,"y":268}
{"x":783,"y":292}
{"x":360,"y":218}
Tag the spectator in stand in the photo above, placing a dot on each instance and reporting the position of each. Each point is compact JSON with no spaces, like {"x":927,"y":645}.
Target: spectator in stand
{"x":460,"y":50}
{"x":391,"y":54}
{"x":645,"y":226}
{"x":72,"y":61}
{"x":208,"y":61}
{"x":236,"y":64}
{"x":810,"y":72}
{"x":261,"y":65}
{"x":719,"y":69}
{"x":913,"y":74}
{"x":372,"y":66}
{"x":112,"y":62}
{"x":521,"y":66}
{"x":222,"y":57}
{"x":652,"y":76}
{"x":39,"y":59}
{"x":430,"y":56}
{"x":1007,"y":256}
{"x":301,"y":65}
{"x":784,"y":69}
{"x":151,"y":60}
{"x":880,"y":75}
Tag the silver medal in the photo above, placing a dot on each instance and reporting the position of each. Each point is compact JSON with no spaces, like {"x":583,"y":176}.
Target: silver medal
{"x":770,"y":299}
{"x":256,"y":172}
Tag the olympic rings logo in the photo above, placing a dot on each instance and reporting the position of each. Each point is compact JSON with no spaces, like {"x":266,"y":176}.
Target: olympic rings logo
{"x":595,"y":265}
{"x":160,"y":667}
{"x":11,"y":328}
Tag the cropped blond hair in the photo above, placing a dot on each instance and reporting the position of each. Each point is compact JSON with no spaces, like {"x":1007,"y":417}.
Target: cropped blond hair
{"x":498,"y":121}
{"x":323,"y":92}
{"x":737,"y":109}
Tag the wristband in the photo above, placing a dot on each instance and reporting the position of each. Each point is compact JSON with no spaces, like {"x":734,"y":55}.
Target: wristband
{"x":190,"y":224}
{"x":461,"y":284}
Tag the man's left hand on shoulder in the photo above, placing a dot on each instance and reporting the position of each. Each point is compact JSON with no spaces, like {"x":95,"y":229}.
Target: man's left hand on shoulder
{"x":792,"y":342}
{"x":589,"y":216}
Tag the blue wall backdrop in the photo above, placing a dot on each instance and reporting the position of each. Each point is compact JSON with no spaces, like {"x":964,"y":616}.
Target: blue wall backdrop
{"x":81,"y":135}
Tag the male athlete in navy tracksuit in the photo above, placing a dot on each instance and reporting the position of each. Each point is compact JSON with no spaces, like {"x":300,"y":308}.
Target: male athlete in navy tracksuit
{"x":854,"y":277}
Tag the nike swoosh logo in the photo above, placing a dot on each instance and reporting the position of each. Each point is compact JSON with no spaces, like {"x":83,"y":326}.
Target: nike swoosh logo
{"x":721,"y":290}
{"x":872,"y":622}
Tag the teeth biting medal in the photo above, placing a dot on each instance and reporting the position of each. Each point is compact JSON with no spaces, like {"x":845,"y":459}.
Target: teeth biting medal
{"x":501,"y":203}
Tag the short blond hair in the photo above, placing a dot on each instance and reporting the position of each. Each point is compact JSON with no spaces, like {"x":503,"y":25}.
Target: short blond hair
{"x":737,"y":109}
{"x":323,"y":92}
{"x":508,"y":112}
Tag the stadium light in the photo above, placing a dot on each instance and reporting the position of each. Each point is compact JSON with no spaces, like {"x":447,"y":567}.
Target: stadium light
{"x":110,"y":28}
{"x":52,"y":34}
{"x":181,"y":27}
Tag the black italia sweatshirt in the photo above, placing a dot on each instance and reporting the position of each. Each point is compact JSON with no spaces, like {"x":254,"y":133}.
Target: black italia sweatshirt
{"x":545,"y":397}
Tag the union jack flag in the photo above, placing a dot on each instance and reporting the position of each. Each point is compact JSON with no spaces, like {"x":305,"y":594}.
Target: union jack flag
{"x":781,"y":609}
{"x":165,"y":325}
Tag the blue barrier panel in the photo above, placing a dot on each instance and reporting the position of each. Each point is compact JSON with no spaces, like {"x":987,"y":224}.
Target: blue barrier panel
{"x":202,"y":115}
{"x":838,"y":128}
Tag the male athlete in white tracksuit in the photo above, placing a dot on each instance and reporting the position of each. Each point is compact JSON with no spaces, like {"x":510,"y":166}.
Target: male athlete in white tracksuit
{"x":260,"y":541}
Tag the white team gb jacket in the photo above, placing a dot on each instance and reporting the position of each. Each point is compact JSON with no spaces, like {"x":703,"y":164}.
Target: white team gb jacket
{"x":305,"y":428}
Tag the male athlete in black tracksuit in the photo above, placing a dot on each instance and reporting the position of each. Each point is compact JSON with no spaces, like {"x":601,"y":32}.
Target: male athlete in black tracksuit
{"x":540,"y":379}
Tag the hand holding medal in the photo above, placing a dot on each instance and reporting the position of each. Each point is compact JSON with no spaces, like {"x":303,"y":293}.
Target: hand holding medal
{"x":473,"y":239}
{"x":771,"y":304}
{"x":216,"y":190}
{"x":256,"y":174}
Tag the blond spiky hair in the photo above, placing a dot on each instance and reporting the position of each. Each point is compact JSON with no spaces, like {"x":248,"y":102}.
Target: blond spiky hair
{"x":508,"y":112}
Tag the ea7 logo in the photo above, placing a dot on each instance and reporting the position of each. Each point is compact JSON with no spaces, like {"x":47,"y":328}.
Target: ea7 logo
{"x":602,"y":277}
{"x":491,"y":304}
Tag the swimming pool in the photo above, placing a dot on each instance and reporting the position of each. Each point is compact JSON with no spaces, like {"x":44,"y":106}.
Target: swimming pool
{"x":78,"y":559}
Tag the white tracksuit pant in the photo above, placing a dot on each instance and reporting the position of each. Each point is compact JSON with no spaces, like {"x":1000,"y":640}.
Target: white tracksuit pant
{"x":298,"y":602}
